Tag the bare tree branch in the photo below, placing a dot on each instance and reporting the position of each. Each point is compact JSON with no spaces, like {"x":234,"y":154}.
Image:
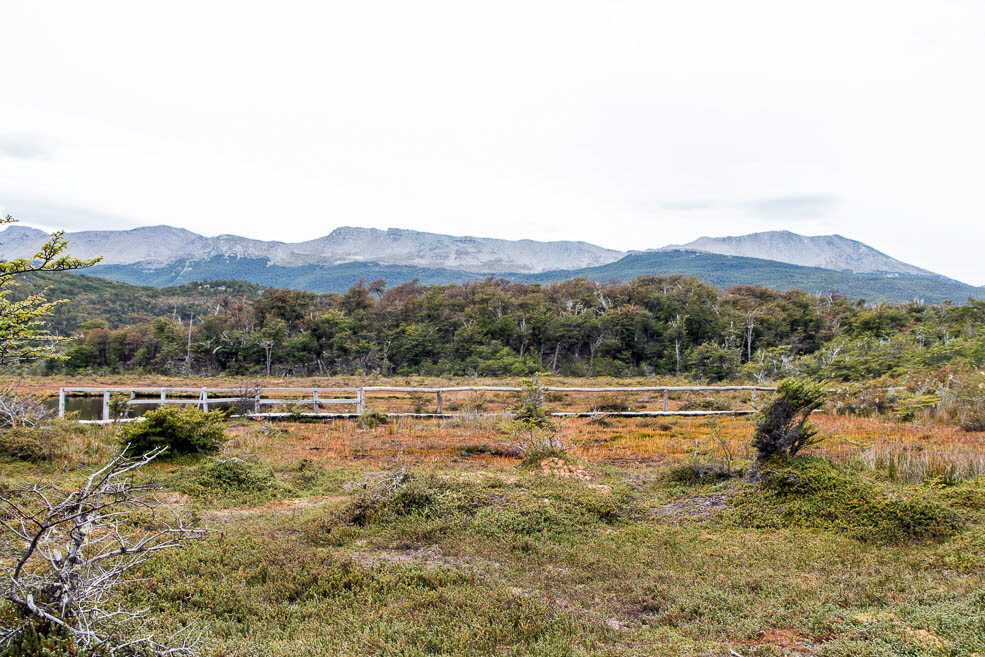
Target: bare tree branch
{"x":74,"y":547}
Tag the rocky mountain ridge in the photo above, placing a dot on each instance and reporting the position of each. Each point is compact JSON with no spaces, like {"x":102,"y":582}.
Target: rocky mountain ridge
{"x":157,"y":246}
{"x":824,"y":251}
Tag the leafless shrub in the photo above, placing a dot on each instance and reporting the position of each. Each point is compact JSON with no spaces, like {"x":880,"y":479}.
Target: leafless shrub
{"x":246,"y":398}
{"x":64,"y":551}
{"x":19,"y":409}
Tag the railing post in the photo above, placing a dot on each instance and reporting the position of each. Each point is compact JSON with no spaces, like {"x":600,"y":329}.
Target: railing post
{"x":205,"y":400}
{"x":256,"y":400}
{"x":437,"y":407}
{"x":314,"y":401}
{"x":61,"y":402}
{"x":164,"y":395}
{"x":105,"y":405}
{"x":361,"y":401}
{"x":666,"y":401}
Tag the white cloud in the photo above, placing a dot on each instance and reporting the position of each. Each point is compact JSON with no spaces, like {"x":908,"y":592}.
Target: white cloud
{"x":578,"y":120}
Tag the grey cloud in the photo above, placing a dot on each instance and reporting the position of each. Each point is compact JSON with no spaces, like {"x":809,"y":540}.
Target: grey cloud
{"x":789,"y":208}
{"x":692,"y":206}
{"x":25,"y":147}
{"x":60,"y":217}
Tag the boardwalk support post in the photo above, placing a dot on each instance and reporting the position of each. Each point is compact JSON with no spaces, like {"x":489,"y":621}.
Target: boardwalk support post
{"x":437,"y":408}
{"x":105,"y":405}
{"x":314,"y":401}
{"x":666,"y":401}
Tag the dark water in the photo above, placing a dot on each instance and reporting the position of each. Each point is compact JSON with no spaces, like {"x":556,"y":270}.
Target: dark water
{"x":91,"y":408}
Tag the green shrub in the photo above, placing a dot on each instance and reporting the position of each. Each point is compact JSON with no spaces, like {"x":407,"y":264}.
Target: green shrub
{"x":34,"y":444}
{"x":182,"y":430}
{"x":485,"y":449}
{"x":699,"y":472}
{"x":39,"y":640}
{"x":709,"y":403}
{"x":371,"y":419}
{"x":530,"y":517}
{"x":813,"y":493}
{"x":403,"y":494}
{"x":234,"y":480}
{"x":610,"y":404}
{"x":965,"y":552}
{"x":967,"y":495}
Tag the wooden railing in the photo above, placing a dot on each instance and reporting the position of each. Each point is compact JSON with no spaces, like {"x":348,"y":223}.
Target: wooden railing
{"x":356,"y":398}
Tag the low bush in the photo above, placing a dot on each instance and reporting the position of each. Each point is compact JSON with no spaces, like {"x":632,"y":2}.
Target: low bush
{"x":610,"y":404}
{"x":967,"y":495}
{"x":232,"y":481}
{"x":701,"y":472}
{"x":709,"y":403}
{"x":34,"y":444}
{"x":39,"y":640}
{"x":551,"y":515}
{"x":813,"y":493}
{"x":403,"y":494}
{"x":965,"y":552}
{"x":182,"y":430}
{"x":371,"y":419}
{"x":485,"y":449}
{"x":536,"y":517}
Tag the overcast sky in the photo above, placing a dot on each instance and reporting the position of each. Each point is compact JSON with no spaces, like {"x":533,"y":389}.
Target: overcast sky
{"x":626,"y":124}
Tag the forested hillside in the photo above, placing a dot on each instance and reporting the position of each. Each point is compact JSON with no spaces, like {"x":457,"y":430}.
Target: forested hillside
{"x":652,"y":325}
{"x":719,"y":270}
{"x":119,"y":304}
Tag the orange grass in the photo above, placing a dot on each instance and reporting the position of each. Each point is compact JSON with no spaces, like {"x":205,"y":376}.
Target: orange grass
{"x":626,"y":442}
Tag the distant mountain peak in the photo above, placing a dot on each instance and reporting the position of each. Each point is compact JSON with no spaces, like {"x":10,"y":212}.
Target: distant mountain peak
{"x":825,"y":251}
{"x":18,"y":232}
{"x":157,"y":246}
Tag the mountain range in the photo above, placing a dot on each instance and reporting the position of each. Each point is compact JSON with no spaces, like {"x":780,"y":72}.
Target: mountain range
{"x":153,"y":247}
{"x":164,"y":256}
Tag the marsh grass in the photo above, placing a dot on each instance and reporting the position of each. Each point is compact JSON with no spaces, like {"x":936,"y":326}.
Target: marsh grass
{"x":472,"y":554}
{"x":917,"y":464}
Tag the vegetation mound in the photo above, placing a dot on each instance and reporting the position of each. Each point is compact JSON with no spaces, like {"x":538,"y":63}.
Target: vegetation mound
{"x":182,"y":430}
{"x":235,"y":481}
{"x":403,"y":494}
{"x":31,"y":444}
{"x":813,"y":493}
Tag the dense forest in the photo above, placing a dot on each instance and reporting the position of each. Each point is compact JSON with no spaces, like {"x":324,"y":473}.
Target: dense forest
{"x":653,"y":325}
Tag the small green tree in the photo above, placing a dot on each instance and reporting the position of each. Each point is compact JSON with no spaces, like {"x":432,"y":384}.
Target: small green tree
{"x":23,"y":335}
{"x":532,"y":427}
{"x":782,"y":426}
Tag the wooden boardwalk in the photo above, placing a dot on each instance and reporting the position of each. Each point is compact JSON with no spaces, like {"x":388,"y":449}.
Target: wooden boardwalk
{"x":253,"y":400}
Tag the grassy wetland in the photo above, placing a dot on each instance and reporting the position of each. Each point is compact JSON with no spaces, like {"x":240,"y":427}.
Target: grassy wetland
{"x":641,"y":536}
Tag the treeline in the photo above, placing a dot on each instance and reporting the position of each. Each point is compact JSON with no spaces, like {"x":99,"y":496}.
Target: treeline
{"x":121,"y":304}
{"x":652,"y":325}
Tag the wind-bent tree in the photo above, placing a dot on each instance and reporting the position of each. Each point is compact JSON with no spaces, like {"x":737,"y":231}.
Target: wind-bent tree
{"x":23,"y":334}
